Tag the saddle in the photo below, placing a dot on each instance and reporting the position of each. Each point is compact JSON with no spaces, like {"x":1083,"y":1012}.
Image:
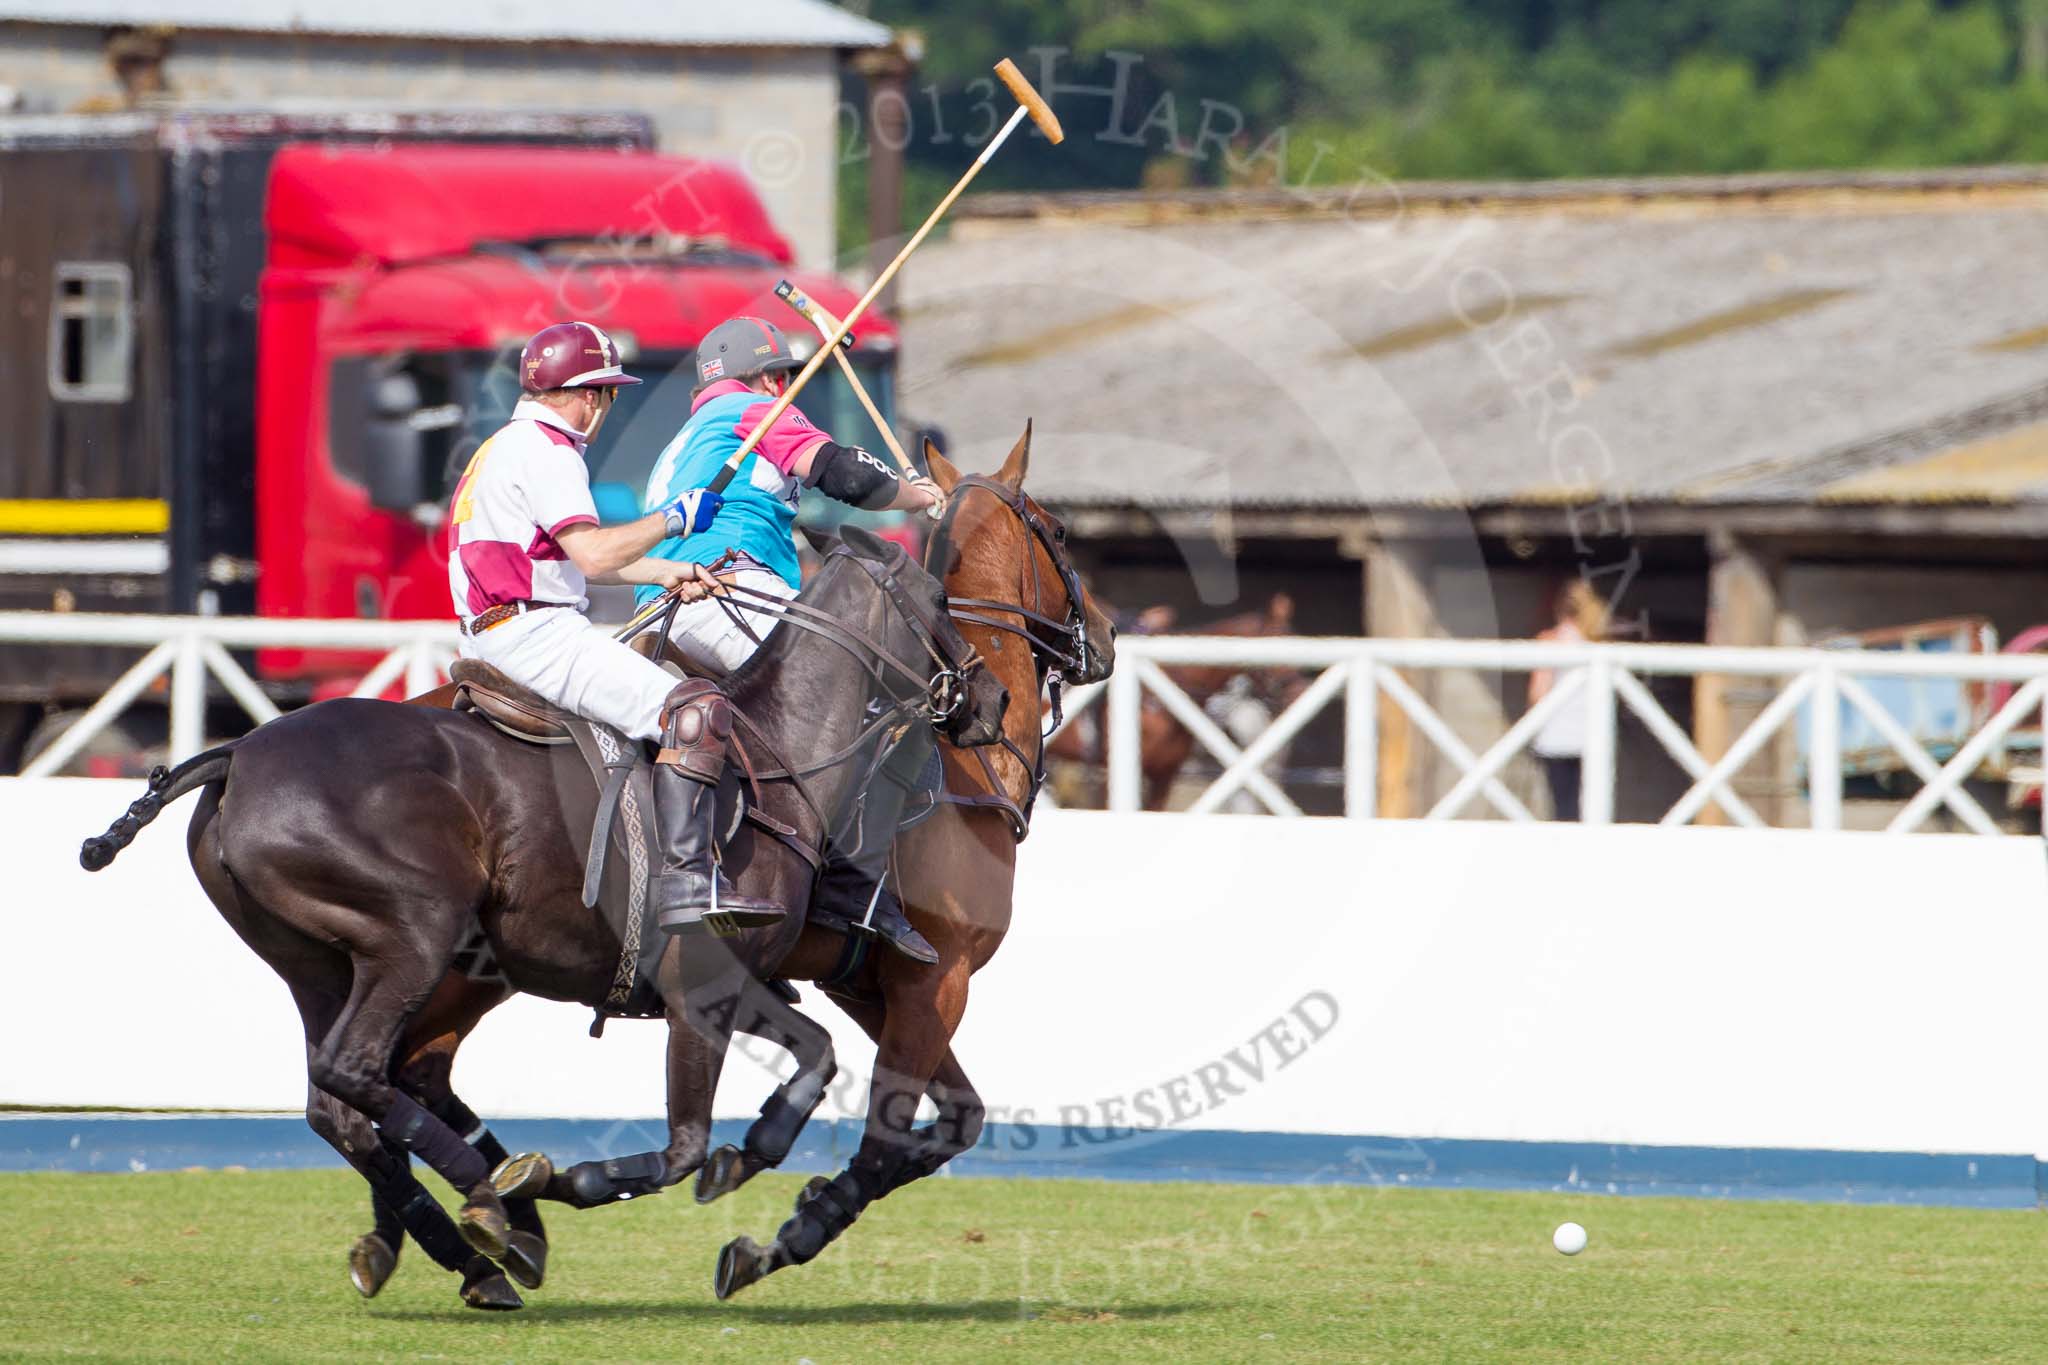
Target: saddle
{"x":618,"y":773}
{"x":505,"y":704}
{"x":622,"y":772}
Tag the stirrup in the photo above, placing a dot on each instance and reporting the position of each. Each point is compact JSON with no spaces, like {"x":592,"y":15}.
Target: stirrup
{"x":907,"y":941}
{"x":899,"y":932}
{"x":721,"y":920}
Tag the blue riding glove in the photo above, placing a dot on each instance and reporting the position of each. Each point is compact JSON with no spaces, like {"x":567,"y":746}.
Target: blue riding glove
{"x":692,"y":512}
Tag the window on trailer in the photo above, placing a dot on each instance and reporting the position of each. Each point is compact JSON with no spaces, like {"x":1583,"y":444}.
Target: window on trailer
{"x":92,"y":332}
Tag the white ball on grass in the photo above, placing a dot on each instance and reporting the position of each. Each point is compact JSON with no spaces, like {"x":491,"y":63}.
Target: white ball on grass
{"x":1569,"y":1238}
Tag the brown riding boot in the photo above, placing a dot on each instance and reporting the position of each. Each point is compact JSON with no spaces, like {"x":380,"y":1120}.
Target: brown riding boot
{"x":690,"y":891}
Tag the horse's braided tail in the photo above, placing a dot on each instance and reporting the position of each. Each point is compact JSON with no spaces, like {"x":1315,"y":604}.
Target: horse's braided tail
{"x":165,"y":786}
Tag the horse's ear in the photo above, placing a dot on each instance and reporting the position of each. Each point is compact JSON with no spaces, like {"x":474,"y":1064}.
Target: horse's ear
{"x":943,"y":472}
{"x":1012,"y":472}
{"x":867,"y":545}
{"x":819,"y":541}
{"x":861,"y":542}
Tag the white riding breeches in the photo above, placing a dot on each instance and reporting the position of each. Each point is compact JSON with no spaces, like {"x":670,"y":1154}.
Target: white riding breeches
{"x":707,"y":632}
{"x":579,"y":667}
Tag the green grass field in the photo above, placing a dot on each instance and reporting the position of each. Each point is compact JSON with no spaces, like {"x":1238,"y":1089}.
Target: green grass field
{"x":251,"y":1266}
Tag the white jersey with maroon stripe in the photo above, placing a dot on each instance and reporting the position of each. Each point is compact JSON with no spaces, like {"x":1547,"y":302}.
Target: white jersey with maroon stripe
{"x":524,"y":487}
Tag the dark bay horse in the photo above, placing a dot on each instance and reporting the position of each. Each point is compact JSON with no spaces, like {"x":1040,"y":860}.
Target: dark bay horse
{"x":1019,"y":603}
{"x":357,"y":845}
{"x":1164,"y":744}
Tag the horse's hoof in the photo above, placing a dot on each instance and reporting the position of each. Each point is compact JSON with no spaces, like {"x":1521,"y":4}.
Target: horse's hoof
{"x":483,"y":1223}
{"x":740,"y":1264}
{"x":485,"y":1286}
{"x":370,"y":1263}
{"x":810,"y":1191}
{"x":720,"y":1175}
{"x":525,"y":1176}
{"x":526,"y":1258}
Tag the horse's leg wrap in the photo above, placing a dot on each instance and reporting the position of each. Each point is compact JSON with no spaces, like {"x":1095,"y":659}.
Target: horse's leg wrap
{"x":435,"y":1143}
{"x":526,"y":1245}
{"x":820,"y":1219}
{"x":395,"y":1188}
{"x":826,"y":1209}
{"x":625,"y":1177}
{"x":784,"y":1114}
{"x":389,"y":1226}
{"x":462,"y":1120}
{"x":525,"y":1215}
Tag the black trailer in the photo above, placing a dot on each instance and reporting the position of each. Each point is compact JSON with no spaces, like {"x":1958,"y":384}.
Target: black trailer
{"x":131,"y":247}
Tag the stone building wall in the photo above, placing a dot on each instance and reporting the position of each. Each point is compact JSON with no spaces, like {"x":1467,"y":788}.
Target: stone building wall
{"x":773,"y":111}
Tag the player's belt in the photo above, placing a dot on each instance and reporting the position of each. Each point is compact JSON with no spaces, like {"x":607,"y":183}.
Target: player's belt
{"x":503,"y":612}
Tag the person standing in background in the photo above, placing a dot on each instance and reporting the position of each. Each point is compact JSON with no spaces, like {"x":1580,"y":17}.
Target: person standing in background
{"x":1577,"y":615}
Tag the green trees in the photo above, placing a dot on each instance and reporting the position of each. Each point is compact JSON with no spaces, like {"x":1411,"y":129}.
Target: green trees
{"x":1508,"y":88}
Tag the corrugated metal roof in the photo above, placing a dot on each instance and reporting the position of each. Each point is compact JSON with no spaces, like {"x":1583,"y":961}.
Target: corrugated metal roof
{"x":658,"y":23}
{"x":1657,"y":352}
{"x":2012,"y":467}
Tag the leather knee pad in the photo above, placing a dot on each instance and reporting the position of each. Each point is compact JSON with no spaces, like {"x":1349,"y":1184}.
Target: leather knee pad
{"x":696,"y":725}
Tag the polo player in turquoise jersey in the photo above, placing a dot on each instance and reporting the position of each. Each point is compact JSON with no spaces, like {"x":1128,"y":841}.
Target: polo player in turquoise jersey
{"x":743,"y":365}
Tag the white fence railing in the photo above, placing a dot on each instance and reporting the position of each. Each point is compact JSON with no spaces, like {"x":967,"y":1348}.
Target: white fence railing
{"x":1359,"y":674}
{"x":190,"y":648}
{"x":1605,"y":679}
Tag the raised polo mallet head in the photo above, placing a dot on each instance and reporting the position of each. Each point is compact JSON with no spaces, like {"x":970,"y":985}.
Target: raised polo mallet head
{"x":1030,"y":102}
{"x":1033,"y":102}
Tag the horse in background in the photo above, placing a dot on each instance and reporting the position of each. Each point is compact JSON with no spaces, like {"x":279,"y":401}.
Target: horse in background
{"x":1164,"y":743}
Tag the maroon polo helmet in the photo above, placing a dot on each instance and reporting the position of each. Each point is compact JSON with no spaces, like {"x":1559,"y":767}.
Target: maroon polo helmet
{"x":571,"y":355}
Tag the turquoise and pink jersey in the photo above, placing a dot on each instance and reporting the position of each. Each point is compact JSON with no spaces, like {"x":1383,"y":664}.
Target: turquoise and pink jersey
{"x":759,"y":515}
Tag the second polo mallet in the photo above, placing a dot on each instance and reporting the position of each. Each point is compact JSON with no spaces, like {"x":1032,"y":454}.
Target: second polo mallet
{"x":821,"y":318}
{"x":1029,"y":103}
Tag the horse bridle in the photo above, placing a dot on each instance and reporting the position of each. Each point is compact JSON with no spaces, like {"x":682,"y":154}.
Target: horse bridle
{"x":1067,"y":660}
{"x":1059,"y":661}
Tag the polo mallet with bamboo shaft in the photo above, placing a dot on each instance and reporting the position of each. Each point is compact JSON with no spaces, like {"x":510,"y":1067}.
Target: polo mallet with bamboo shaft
{"x":821,"y":318}
{"x":1029,"y":102}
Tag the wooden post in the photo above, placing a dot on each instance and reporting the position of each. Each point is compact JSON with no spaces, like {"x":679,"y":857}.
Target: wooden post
{"x":1398,"y":606}
{"x":1742,"y":609}
{"x":887,"y":71}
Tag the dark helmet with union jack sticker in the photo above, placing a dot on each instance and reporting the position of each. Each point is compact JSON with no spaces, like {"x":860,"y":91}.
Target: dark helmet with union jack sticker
{"x":742,"y":347}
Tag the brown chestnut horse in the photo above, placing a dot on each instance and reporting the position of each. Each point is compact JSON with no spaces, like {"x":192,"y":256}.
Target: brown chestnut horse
{"x":1164,"y":744}
{"x":1019,"y":603}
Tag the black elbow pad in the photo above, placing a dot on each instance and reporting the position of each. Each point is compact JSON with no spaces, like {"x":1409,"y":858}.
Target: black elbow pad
{"x":852,"y":475}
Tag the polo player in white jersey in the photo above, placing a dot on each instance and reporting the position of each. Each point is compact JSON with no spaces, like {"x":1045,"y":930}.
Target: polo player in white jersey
{"x":527,"y":540}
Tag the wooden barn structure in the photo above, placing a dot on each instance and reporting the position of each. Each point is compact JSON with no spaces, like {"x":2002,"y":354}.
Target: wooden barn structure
{"x":1754,"y":410}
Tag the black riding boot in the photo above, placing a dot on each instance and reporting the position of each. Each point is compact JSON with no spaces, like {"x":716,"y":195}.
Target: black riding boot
{"x":690,"y":892}
{"x":855,"y":884}
{"x":894,"y":928}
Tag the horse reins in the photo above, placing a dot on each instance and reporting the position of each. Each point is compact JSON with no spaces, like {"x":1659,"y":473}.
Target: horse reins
{"x":942,"y":693}
{"x":942,"y":689}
